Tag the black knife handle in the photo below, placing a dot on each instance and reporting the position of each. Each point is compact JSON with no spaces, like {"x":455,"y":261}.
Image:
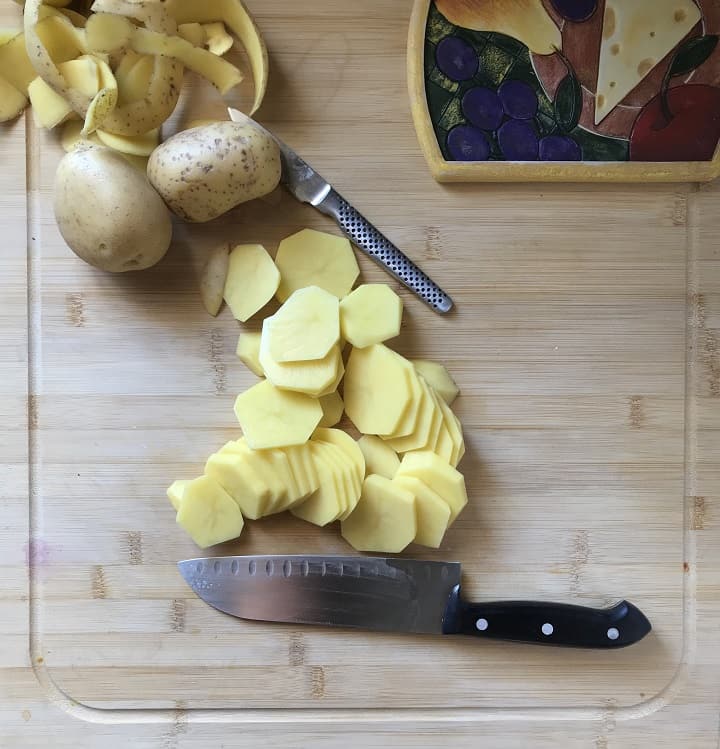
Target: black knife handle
{"x":375,"y":244}
{"x":548,"y":623}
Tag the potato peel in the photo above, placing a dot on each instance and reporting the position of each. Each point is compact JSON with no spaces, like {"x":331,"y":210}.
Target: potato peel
{"x":236,"y":17}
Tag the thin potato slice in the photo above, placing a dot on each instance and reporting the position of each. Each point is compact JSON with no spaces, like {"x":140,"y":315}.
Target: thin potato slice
{"x":15,"y":65}
{"x":310,"y":377}
{"x":248,"y":351}
{"x":81,"y":74}
{"x":372,"y":313}
{"x":444,"y":445}
{"x":377,"y":393}
{"x":48,"y":107}
{"x":455,"y":433}
{"x":230,"y":469}
{"x":349,"y":447}
{"x":306,"y":327}
{"x":252,"y":280}
{"x":274,"y":467}
{"x":420,"y":436}
{"x":333,"y":386}
{"x":236,"y":17}
{"x":384,"y":519}
{"x":440,"y":476}
{"x":438,"y":378}
{"x":433,"y":513}
{"x":12,"y":101}
{"x":326,"y":504}
{"x":303,"y":468}
{"x":176,"y":491}
{"x":271,"y":417}
{"x":345,"y":472}
{"x":312,"y":257}
{"x":208,"y":513}
{"x":333,"y":407}
{"x":438,"y":424}
{"x":380,"y":458}
{"x":107,"y":32}
{"x":213,"y":277}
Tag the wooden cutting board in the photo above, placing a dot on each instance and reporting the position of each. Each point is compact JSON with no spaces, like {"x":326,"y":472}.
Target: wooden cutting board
{"x":585,"y":343}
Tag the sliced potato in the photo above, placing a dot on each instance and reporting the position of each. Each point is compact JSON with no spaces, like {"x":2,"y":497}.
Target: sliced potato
{"x":15,"y":65}
{"x":312,"y":257}
{"x":49,"y":108}
{"x":213,"y":277}
{"x":176,"y":491}
{"x":303,"y":468}
{"x":372,"y":313}
{"x":271,"y":417}
{"x":433,"y":513}
{"x":81,"y":74}
{"x":332,"y":407}
{"x":333,"y":386}
{"x":133,"y":76}
{"x":377,"y":390}
{"x":439,"y":475}
{"x":438,"y":378}
{"x":310,"y":377}
{"x":107,"y":32}
{"x":349,"y":447}
{"x":274,"y":468}
{"x":327,"y":503}
{"x":12,"y":101}
{"x":380,"y":458}
{"x":248,"y":351}
{"x":444,"y":445}
{"x":208,"y":513}
{"x":252,"y":279}
{"x":306,"y":327}
{"x":384,"y":519}
{"x":133,"y":145}
{"x":232,"y":471}
{"x":419,"y":438}
{"x":455,"y":432}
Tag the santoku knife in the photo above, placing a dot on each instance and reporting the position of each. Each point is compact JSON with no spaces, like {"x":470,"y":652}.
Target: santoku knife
{"x":397,"y":595}
{"x":307,"y":186}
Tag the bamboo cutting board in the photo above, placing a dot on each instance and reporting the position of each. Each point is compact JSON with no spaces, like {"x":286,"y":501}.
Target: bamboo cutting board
{"x":585,"y":343}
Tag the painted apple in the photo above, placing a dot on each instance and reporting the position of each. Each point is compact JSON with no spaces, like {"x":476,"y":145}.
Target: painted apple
{"x":690,"y":134}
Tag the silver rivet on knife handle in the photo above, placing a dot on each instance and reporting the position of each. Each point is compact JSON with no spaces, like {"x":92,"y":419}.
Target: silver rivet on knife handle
{"x":375,"y":244}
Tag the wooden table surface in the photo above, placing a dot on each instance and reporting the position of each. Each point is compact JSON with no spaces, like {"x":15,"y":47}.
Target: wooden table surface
{"x":586,"y":343}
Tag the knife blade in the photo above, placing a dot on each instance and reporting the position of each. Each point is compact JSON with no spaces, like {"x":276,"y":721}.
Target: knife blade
{"x":307,"y":186}
{"x":397,"y":595}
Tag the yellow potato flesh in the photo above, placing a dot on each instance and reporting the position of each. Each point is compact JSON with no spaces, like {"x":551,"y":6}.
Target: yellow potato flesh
{"x":332,"y":407}
{"x":248,"y":351}
{"x":456,"y":437}
{"x":271,"y":417}
{"x":326,"y":504}
{"x":372,"y":313}
{"x":233,"y":472}
{"x":419,"y":438}
{"x":333,"y":386}
{"x":306,"y":327}
{"x":133,"y":77}
{"x":384,"y":519}
{"x":314,"y":258}
{"x":106,"y":32}
{"x":377,"y":393}
{"x":310,"y":377}
{"x":438,"y":378}
{"x":274,"y":468}
{"x":439,"y":475}
{"x":252,"y":280}
{"x":433,"y":513}
{"x":349,"y":447}
{"x":193,"y":33}
{"x":380,"y":458}
{"x":12,"y":101}
{"x":218,"y":40}
{"x":81,"y":74}
{"x":345,"y":471}
{"x":208,"y":513}
{"x":176,"y":491}
{"x":303,"y":468}
{"x":135,"y":145}
{"x":15,"y":65}
{"x":49,"y":108}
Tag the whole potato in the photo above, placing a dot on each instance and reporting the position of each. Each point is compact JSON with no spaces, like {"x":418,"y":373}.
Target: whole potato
{"x":107,"y":211}
{"x":204,"y":172}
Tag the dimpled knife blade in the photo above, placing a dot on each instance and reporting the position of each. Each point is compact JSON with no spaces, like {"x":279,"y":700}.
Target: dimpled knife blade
{"x":307,"y":186}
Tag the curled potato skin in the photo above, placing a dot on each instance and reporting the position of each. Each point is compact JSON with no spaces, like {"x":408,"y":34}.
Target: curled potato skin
{"x":204,"y":172}
{"x":107,"y":212}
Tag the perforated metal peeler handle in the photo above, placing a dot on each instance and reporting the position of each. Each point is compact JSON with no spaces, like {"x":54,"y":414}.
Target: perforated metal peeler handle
{"x":375,"y":244}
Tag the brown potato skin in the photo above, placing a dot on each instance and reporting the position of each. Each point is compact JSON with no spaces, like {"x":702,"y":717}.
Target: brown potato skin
{"x":107,"y":211}
{"x":204,"y":172}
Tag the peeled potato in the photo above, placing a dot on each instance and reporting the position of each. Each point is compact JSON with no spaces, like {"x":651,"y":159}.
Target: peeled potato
{"x":303,"y":468}
{"x":419,"y":438}
{"x":332,"y":407}
{"x":372,"y":313}
{"x":377,"y":393}
{"x":327,"y":503}
{"x":208,"y":513}
{"x":452,"y":425}
{"x":314,"y":258}
{"x":438,"y":378}
{"x":271,"y":417}
{"x":349,"y":447}
{"x":311,"y":377}
{"x":384,"y":519}
{"x":409,"y":421}
{"x":433,"y":513}
{"x":231,"y":470}
{"x":176,"y":491}
{"x":380,"y":458}
{"x":248,"y":351}
{"x":48,"y":107}
{"x":252,"y":279}
{"x":306,"y":327}
{"x":440,"y":476}
{"x":214,"y":276}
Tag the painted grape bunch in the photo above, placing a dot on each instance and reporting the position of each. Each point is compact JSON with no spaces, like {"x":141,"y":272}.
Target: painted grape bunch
{"x":504,"y":119}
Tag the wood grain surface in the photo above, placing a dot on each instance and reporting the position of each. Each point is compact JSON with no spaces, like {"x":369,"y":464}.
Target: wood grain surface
{"x":586,"y":343}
